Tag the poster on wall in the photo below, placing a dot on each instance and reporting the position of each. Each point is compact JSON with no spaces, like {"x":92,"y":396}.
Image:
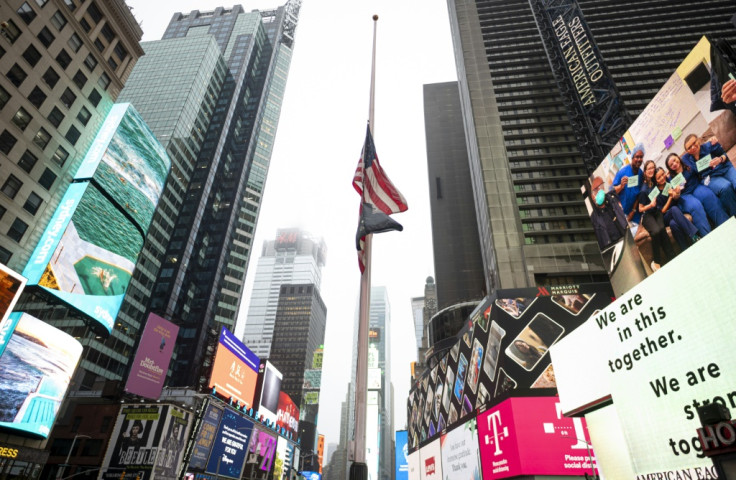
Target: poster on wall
{"x":206,"y":436}
{"x":152,"y":358}
{"x":175,"y":433}
{"x":36,"y":367}
{"x":430,"y":461}
{"x":647,"y":354}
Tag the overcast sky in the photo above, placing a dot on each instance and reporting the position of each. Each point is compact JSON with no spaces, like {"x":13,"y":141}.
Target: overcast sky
{"x":319,"y":139}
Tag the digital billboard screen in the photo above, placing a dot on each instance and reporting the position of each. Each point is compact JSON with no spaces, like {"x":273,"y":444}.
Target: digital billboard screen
{"x":659,"y":351}
{"x":235,"y":370}
{"x":460,"y":456}
{"x":402,"y":456}
{"x":268,"y":404}
{"x":35,"y":370}
{"x":287,"y":416}
{"x":229,"y":448}
{"x":261,"y":456}
{"x":151,"y":362}
{"x":174,"y":436}
{"x":430,"y":461}
{"x":11,"y":286}
{"x":645,"y":217}
{"x":206,"y":436}
{"x":87,"y":254}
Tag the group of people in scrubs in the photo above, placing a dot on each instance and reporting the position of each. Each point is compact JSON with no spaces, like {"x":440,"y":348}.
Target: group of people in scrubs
{"x":701,"y":183}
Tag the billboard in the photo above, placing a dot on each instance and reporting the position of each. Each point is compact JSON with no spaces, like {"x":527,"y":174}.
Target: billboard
{"x":11,"y":286}
{"x":312,"y":379}
{"x":430,"y":461}
{"x":268,"y":404}
{"x":148,"y":441}
{"x":643,"y":221}
{"x":206,"y":436}
{"x":402,"y":456}
{"x":647,"y":353}
{"x":151,"y":362}
{"x":503,"y":347}
{"x":229,"y":448}
{"x":460,"y":456}
{"x":87,"y":254}
{"x":261,"y":456}
{"x":235,"y":370}
{"x":414,"y":466}
{"x":287,"y":416}
{"x":35,"y":369}
{"x":530,"y":436}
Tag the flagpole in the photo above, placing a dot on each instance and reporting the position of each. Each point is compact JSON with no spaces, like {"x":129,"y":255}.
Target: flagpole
{"x":359,"y":469}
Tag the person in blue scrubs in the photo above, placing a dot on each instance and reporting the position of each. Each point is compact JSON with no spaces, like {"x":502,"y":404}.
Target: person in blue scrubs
{"x":683,"y":229}
{"x":719,"y":176}
{"x":627,"y":189}
{"x":693,"y":193}
{"x":653,"y":220}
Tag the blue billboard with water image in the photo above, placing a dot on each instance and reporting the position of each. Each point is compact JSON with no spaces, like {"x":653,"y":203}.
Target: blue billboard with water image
{"x":88,"y":252}
{"x":35,"y":371}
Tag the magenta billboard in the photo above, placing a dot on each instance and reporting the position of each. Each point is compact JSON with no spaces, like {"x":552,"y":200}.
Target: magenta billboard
{"x":148,"y":371}
{"x":530,"y":436}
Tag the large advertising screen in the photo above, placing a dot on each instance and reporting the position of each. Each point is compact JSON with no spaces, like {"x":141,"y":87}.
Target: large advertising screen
{"x":503,"y":347}
{"x":268,"y":404}
{"x":402,"y":455}
{"x":660,"y":351}
{"x":235,"y":370}
{"x":260,"y":460}
{"x":229,"y":448}
{"x":35,"y":369}
{"x":206,"y":436}
{"x":287,"y":416}
{"x":460,"y":456}
{"x":151,"y":362}
{"x":430,"y":461}
{"x":670,"y":179}
{"x":87,"y":254}
{"x":530,"y":436}
{"x":148,"y":440}
{"x":11,"y":286}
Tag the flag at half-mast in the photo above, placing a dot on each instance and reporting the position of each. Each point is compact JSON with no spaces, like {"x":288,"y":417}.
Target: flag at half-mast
{"x":379,"y":198}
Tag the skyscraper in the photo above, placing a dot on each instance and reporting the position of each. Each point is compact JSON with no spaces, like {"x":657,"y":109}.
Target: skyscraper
{"x":63,"y":65}
{"x":292,"y":257}
{"x":525,"y":164}
{"x":239,"y":62}
{"x":380,"y":387}
{"x":458,"y":264}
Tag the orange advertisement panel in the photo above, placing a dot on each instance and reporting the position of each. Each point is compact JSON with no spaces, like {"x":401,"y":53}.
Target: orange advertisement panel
{"x":235,"y":371}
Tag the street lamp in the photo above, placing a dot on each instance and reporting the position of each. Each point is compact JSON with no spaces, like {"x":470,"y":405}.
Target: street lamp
{"x":71,"y":449}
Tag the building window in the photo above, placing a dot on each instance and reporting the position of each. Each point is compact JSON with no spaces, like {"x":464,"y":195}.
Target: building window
{"x":60,"y":156}
{"x":22,"y":118}
{"x":26,"y":13}
{"x":16,"y":75}
{"x":46,"y":37}
{"x":32,"y":55}
{"x":11,"y":31}
{"x":113,"y":64}
{"x":80,"y":79}
{"x":33,"y":203}
{"x":90,"y":62}
{"x":50,"y":77}
{"x":27,"y":161}
{"x":85,"y":25}
{"x":42,"y":138}
{"x":100,"y":46}
{"x":74,"y":42}
{"x":70,"y":5}
{"x":104,"y":81}
{"x":5,"y":255}
{"x":68,"y":98}
{"x":12,"y":186}
{"x":4,"y":97}
{"x":41,"y":3}
{"x":72,"y":135}
{"x":37,"y":97}
{"x":17,"y":230}
{"x":120,"y":52}
{"x":58,"y":21}
{"x":47,"y":179}
{"x":63,"y":59}
{"x":107,"y":32}
{"x":7,"y":141}
{"x":84,"y":116}
{"x":94,"y":13}
{"x":56,"y":117}
{"x":94,"y":97}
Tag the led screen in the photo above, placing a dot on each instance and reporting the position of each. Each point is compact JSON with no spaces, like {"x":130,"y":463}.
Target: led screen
{"x":287,"y":416}
{"x":460,"y":460}
{"x":206,"y":436}
{"x":11,"y":286}
{"x":87,"y":254}
{"x":229,"y":448}
{"x":235,"y":370}
{"x":689,"y":132}
{"x":402,"y":456}
{"x":35,"y":369}
{"x":280,"y":466}
{"x":430,"y":461}
{"x":659,"y":352}
{"x":270,"y":388}
{"x":261,"y":455}
{"x":151,"y":362}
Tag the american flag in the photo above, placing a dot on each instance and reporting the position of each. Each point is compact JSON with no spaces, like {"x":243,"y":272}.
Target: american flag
{"x":375,"y":188}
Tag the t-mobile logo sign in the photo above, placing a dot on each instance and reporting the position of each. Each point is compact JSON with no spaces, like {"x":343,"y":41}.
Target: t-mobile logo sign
{"x":499,"y":432}
{"x":429,"y":467}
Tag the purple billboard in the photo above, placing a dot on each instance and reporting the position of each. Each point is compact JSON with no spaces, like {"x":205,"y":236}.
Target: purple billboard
{"x":148,"y":372}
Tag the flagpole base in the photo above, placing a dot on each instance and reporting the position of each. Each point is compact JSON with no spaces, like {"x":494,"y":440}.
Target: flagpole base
{"x":358,"y":471}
